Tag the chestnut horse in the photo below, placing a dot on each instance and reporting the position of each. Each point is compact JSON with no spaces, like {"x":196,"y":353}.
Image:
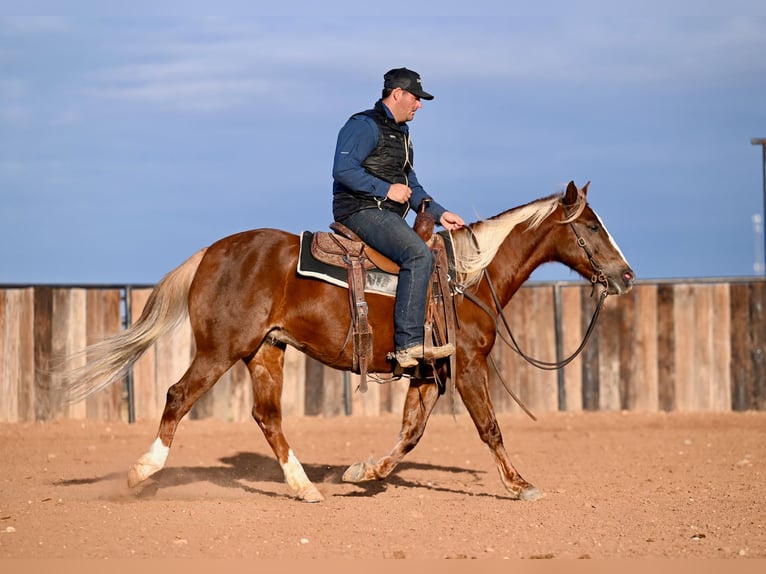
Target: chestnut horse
{"x":245,"y":303}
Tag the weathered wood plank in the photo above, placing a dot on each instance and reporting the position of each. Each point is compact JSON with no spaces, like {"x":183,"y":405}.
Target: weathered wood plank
{"x":16,"y":372}
{"x":314,"y":387}
{"x":26,"y":358}
{"x":523,"y":310}
{"x":644,"y":392}
{"x":666,"y":348}
{"x":702,"y":337}
{"x":148,"y":398}
{"x":684,"y":327}
{"x":628,"y":357}
{"x":758,"y":341}
{"x":590,"y":356}
{"x":43,"y":351}
{"x":17,"y":369}
{"x":609,"y":356}
{"x":333,"y":399}
{"x":720,"y":387}
{"x":104,"y":318}
{"x":230,"y":399}
{"x":572,"y":333}
{"x":398,"y":395}
{"x":294,"y":388}
{"x":325,"y":395}
{"x":544,"y":327}
{"x":240,"y":404}
{"x":9,"y":358}
{"x":173,"y":356}
{"x":364,"y":404}
{"x":68,"y":336}
{"x":741,"y":364}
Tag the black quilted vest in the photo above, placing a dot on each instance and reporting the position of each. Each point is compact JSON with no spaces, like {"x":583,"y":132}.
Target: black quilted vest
{"x":392,"y":158}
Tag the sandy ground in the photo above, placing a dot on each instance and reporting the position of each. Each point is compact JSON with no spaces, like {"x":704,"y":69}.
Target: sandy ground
{"x":617,"y":486}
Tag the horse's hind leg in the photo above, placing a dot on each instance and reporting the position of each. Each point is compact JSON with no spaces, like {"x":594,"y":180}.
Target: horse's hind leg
{"x":266,"y":370}
{"x":201,"y":375}
{"x":418,"y":405}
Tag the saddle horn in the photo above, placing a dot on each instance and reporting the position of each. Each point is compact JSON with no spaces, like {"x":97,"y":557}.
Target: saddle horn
{"x":424,"y":221}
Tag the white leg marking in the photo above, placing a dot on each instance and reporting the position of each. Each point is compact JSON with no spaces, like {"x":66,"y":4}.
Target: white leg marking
{"x":298,"y":481}
{"x":152,"y":461}
{"x":294,"y":473}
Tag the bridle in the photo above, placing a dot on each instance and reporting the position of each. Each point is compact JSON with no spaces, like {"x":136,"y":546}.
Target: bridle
{"x":597,"y":278}
{"x":598,"y":272}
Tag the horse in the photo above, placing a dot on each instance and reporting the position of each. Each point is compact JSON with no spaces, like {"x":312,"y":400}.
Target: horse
{"x":245,"y":302}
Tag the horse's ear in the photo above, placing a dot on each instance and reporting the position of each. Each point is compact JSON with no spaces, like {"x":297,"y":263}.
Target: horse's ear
{"x":584,"y":189}
{"x":570,"y":196}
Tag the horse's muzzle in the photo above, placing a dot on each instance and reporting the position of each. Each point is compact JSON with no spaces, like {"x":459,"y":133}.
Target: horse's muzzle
{"x":622,"y":283}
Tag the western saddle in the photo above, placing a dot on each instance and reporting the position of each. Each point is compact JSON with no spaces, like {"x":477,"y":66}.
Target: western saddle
{"x":344,"y":248}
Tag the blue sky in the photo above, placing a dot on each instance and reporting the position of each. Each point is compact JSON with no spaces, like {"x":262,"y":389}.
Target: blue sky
{"x":129,"y":141}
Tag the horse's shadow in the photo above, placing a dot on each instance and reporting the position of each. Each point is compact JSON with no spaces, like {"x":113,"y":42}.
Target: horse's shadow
{"x":244,"y":468}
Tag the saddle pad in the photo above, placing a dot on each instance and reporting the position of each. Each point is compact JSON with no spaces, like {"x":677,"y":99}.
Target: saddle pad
{"x":376,"y":281}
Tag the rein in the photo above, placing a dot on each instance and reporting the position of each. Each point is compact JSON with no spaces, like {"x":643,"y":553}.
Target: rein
{"x":514,"y":345}
{"x":597,"y":278}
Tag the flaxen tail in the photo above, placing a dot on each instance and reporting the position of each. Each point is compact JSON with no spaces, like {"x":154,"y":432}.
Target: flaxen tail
{"x":103,"y":363}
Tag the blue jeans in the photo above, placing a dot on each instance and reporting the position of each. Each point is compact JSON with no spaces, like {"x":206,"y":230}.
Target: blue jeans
{"x":389,"y":233}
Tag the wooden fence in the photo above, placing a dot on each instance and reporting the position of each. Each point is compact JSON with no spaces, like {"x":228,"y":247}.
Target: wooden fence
{"x":694,"y":345}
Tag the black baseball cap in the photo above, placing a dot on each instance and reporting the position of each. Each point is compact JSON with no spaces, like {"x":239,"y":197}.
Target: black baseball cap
{"x":406,"y":80}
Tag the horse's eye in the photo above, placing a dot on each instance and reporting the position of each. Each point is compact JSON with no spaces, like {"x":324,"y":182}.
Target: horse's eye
{"x":594,"y":227}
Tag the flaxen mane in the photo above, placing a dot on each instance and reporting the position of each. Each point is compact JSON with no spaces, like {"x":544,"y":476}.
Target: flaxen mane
{"x":476,"y":246}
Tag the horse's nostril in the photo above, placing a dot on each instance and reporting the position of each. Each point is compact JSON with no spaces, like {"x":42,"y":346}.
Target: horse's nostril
{"x":628,"y":276}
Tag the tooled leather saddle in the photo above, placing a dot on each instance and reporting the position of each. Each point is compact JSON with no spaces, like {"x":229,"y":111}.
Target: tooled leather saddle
{"x":344,"y":249}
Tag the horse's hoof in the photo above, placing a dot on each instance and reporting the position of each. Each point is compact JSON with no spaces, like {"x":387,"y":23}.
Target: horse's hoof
{"x":138,"y":473}
{"x":531,"y":493}
{"x":356,"y":473}
{"x":310,"y":494}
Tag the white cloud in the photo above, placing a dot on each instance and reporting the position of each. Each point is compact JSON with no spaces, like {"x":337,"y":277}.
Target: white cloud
{"x":218,"y":71}
{"x":215,"y":64}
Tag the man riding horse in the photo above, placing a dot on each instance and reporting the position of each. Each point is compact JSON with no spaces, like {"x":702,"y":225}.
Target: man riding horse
{"x":374,"y":187}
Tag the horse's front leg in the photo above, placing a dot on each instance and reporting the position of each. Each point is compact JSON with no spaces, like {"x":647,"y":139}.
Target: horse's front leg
{"x":418,"y":405}
{"x":474,"y":390}
{"x":266,"y":371}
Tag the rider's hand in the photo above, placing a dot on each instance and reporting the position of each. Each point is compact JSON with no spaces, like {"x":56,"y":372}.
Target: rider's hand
{"x":399,"y":193}
{"x":451,"y":221}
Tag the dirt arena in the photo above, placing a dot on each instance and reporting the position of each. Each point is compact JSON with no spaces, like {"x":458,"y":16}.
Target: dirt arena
{"x":616,"y":486}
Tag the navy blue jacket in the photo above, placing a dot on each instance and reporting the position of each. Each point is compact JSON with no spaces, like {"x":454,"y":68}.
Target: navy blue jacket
{"x":356,"y":140}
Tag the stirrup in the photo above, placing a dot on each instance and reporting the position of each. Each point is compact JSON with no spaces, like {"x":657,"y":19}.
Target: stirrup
{"x":409,"y":357}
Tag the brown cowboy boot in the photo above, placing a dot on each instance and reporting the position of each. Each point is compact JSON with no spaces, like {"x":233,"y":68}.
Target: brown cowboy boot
{"x":409,"y":357}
